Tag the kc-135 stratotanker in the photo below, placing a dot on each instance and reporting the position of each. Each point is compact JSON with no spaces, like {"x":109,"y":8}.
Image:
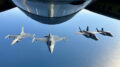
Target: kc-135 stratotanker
{"x":58,"y":11}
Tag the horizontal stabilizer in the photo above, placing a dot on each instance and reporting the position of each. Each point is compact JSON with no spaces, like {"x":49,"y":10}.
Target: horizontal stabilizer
{"x":7,"y":37}
{"x":10,"y":36}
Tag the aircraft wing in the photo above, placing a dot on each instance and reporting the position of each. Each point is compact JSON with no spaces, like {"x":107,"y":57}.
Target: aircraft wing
{"x":110,"y":8}
{"x":95,"y":32}
{"x":29,"y":35}
{"x":40,"y":39}
{"x":59,"y":39}
{"x":79,"y":33}
{"x":11,"y":36}
{"x":6,"y":5}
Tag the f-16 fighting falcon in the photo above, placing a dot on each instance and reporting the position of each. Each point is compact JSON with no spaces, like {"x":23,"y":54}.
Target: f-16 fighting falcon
{"x":17,"y":38}
{"x":105,"y":33}
{"x":87,"y":34}
{"x":50,"y":40}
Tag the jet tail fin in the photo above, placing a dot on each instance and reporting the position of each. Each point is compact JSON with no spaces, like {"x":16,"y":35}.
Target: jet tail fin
{"x":97,"y":29}
{"x":22,"y":29}
{"x":80,"y":29}
{"x":102,"y":29}
{"x":33,"y":40}
{"x":87,"y":29}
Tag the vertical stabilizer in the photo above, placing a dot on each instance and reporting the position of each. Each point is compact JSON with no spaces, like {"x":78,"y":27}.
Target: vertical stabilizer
{"x":102,"y":29}
{"x":34,"y":39}
{"x":97,"y":29}
{"x":80,"y":29}
{"x":50,"y":34}
{"x":22,"y":29}
{"x":87,"y":29}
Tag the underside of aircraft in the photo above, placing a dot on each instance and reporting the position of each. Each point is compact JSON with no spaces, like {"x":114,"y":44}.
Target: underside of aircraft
{"x":110,"y":8}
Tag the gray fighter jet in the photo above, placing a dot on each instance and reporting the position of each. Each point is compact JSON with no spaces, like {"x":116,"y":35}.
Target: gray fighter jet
{"x":50,"y":40}
{"x":87,"y":33}
{"x":17,"y":38}
{"x":105,"y":33}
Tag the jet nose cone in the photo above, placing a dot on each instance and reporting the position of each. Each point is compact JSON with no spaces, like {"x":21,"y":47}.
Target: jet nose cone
{"x":51,"y":51}
{"x":96,"y":39}
{"x":12,"y":43}
{"x":51,"y":48}
{"x":111,"y":35}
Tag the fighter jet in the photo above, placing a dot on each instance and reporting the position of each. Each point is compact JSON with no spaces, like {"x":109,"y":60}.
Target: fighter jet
{"x":87,"y":34}
{"x":105,"y":33}
{"x":50,"y":40}
{"x":17,"y":38}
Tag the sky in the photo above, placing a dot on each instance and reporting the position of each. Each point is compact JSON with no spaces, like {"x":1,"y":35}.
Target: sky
{"x":75,"y":51}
